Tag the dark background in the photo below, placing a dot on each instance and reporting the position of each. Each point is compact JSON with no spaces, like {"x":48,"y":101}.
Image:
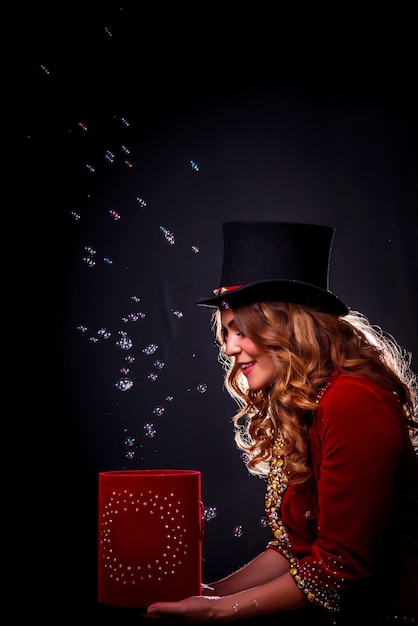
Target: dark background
{"x":303,"y":117}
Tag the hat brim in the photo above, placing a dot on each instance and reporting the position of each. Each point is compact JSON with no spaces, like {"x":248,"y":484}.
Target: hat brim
{"x":276,"y":290}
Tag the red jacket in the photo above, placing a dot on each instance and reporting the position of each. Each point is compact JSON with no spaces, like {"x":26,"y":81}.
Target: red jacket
{"x":353,"y":527}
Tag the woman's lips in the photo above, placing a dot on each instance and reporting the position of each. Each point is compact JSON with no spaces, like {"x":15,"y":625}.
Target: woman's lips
{"x":247,"y":367}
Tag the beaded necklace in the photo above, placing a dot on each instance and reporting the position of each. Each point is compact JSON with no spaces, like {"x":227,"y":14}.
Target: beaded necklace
{"x":277,"y":483}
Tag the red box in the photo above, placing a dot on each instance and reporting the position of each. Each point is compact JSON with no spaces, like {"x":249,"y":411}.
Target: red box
{"x":150,"y":536}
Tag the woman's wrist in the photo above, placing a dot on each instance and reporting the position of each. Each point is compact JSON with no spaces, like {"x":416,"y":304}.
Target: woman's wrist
{"x":235,"y":607}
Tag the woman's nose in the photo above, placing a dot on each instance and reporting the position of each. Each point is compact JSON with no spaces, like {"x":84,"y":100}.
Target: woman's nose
{"x":232,"y":347}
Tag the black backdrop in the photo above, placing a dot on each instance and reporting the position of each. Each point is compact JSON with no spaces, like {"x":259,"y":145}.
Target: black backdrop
{"x":136,"y":125}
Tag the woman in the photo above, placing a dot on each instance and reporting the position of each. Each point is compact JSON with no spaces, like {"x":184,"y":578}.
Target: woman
{"x":328,"y":416}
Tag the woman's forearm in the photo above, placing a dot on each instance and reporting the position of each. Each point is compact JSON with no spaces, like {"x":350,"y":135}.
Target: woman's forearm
{"x":280,"y":594}
{"x":263,"y":586}
{"x":267,"y":566}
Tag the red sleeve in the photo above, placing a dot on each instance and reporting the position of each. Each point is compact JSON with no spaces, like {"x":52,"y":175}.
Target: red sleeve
{"x":356,"y":441}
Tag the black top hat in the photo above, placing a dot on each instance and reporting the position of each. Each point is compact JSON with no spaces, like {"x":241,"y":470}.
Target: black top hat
{"x":276,"y":262}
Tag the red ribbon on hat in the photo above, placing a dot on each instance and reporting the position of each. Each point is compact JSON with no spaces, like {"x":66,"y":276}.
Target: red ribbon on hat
{"x":220,"y":290}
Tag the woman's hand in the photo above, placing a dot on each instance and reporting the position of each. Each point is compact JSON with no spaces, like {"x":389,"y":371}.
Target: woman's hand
{"x":193,"y":609}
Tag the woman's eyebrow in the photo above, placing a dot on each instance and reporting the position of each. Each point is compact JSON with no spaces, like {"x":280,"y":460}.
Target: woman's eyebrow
{"x":231,"y":324}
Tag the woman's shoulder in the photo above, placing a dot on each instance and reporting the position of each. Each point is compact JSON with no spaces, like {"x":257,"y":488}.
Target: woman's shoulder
{"x":350,"y":393}
{"x":357,"y":404}
{"x":354,"y":383}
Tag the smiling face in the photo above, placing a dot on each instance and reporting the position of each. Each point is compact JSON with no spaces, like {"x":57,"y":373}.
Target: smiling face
{"x":256,"y":364}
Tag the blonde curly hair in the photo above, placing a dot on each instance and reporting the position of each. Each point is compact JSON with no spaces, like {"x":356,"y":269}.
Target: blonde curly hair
{"x":307,"y":346}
